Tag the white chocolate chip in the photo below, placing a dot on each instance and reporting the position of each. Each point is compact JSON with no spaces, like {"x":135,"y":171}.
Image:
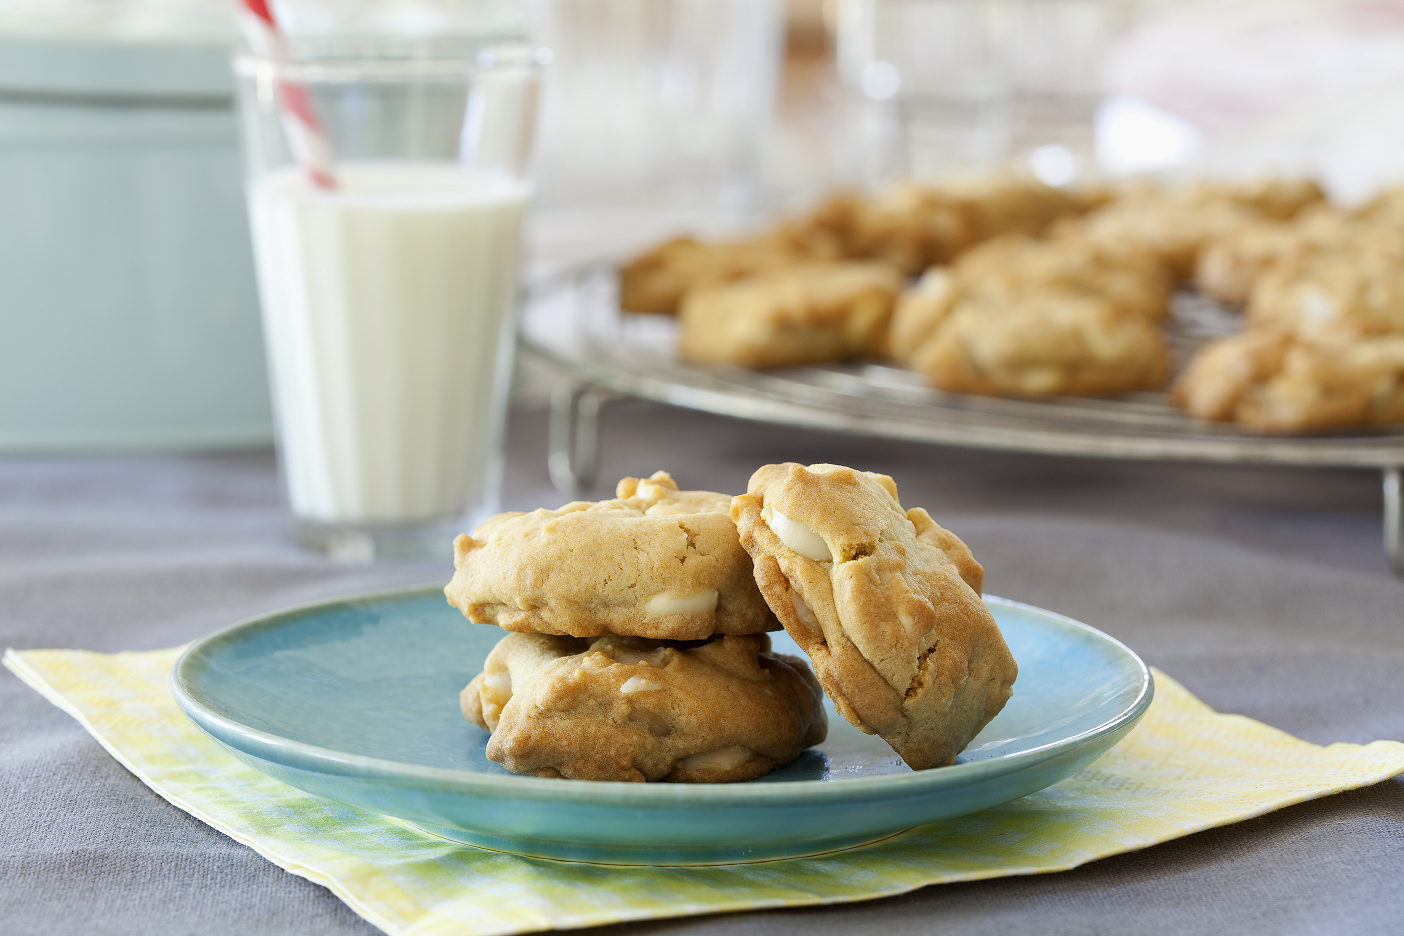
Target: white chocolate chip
{"x":638,"y":684}
{"x":670,"y":603}
{"x":804,"y":612}
{"x":727,"y":758}
{"x":494,"y":693}
{"x":800,"y":538}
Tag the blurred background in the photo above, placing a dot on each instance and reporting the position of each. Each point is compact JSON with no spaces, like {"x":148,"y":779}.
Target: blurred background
{"x":128,"y":315}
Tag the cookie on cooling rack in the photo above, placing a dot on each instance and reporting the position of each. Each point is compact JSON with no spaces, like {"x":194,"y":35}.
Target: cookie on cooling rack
{"x":624,"y":708}
{"x":1353,"y":288}
{"x":1171,"y":226}
{"x":806,"y":314}
{"x":1047,"y":343}
{"x":653,"y":562}
{"x":885,"y":603}
{"x":1010,"y":271}
{"x":658,"y":280}
{"x":1272,"y":380}
{"x":1231,"y":263}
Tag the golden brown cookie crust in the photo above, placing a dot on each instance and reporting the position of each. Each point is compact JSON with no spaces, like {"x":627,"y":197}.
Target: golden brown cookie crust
{"x":657,"y":281}
{"x":1044,"y":344}
{"x":624,"y":708}
{"x":806,"y":314}
{"x":1351,"y":289}
{"x":892,"y":621}
{"x":654,"y":562}
{"x":1272,"y":380}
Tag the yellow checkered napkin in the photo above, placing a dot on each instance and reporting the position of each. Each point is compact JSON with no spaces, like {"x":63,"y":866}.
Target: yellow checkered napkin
{"x":1183,"y":769}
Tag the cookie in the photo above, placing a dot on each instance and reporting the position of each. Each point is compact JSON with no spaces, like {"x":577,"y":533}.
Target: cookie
{"x":1175,"y":225}
{"x":921,"y":310}
{"x":1354,"y":288}
{"x":654,"y":562}
{"x":1272,"y":380}
{"x":1007,"y":270}
{"x":1171,"y":226}
{"x":885,"y":603}
{"x":1013,"y":204}
{"x":1049,"y":343}
{"x":806,"y":314}
{"x":657,"y":281}
{"x":1230,"y":264}
{"x":624,"y":708}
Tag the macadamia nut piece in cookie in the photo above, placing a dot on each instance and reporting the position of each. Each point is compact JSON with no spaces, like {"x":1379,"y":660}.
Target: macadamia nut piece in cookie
{"x":884,"y":601}
{"x":654,"y":562}
{"x":624,"y":708}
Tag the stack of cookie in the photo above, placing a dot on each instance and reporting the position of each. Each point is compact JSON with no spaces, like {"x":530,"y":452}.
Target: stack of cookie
{"x":638,"y":647}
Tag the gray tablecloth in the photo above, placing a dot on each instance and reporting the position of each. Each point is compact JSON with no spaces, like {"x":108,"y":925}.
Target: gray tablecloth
{"x":1263,"y":590}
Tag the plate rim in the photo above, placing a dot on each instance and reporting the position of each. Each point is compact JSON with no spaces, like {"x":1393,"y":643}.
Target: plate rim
{"x":323,"y":760}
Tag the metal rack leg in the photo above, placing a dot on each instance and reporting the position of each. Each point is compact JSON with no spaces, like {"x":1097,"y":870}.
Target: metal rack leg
{"x":573,"y":437}
{"x":1394,"y":521}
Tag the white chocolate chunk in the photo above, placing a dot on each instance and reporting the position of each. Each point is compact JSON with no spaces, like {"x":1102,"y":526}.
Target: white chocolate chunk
{"x":805,"y":613}
{"x":727,"y":758}
{"x":798,"y":537}
{"x":496,"y":692}
{"x":670,"y":603}
{"x":638,"y":684}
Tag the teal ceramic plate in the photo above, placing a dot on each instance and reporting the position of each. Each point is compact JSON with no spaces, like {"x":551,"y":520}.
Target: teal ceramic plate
{"x":357,"y":700}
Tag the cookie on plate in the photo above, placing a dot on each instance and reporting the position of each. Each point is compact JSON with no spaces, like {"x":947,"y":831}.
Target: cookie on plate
{"x":885,"y":602}
{"x":1272,"y":380}
{"x":653,"y":562}
{"x":805,"y":314}
{"x":624,"y":708}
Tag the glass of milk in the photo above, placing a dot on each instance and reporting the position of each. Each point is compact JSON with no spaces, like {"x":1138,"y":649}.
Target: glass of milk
{"x":389,"y":301}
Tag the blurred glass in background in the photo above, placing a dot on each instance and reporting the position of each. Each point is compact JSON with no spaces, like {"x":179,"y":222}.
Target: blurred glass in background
{"x":1071,"y":89}
{"x":656,"y":102}
{"x":942,"y":85}
{"x":1253,"y":87}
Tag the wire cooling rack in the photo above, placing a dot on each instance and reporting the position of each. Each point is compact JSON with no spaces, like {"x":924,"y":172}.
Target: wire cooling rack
{"x":573,"y":321}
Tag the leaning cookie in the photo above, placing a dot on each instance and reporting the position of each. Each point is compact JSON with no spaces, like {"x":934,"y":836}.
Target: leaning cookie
{"x":654,"y":562}
{"x":624,"y":708}
{"x":885,"y":602}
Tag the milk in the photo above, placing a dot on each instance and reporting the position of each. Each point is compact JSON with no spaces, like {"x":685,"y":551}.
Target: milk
{"x":388,"y":307}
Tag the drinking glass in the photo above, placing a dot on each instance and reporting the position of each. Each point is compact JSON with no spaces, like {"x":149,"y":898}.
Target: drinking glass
{"x":389,"y":300}
{"x":959,"y":84}
{"x":656,"y":103}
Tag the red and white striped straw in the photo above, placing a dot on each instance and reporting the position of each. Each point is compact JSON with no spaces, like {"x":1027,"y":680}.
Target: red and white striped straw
{"x":306,"y":138}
